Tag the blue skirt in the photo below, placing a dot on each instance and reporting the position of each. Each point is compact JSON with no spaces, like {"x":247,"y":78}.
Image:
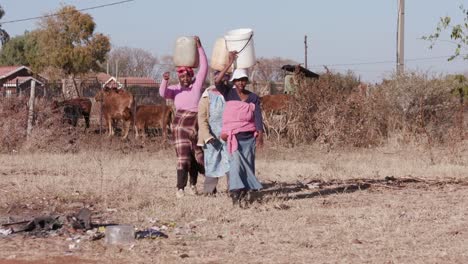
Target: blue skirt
{"x":216,"y":159}
{"x":242,"y":166}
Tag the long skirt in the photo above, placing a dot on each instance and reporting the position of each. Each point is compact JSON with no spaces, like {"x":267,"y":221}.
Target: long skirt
{"x":216,"y":159}
{"x":184,"y":128}
{"x":242,"y":167}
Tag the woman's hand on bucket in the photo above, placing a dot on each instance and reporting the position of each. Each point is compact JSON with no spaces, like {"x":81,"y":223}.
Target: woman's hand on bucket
{"x":232,"y":57}
{"x":197,"y":40}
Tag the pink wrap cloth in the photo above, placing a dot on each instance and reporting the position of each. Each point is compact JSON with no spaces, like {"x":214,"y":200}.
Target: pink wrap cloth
{"x":238,"y":117}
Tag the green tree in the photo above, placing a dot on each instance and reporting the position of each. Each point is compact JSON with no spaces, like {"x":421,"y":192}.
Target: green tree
{"x":458,"y":34}
{"x":4,"y":37}
{"x":67,"y":41}
{"x":19,"y":50}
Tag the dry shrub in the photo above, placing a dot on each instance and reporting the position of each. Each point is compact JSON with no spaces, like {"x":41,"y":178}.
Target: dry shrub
{"x":50,"y":133}
{"x":420,"y":105}
{"x":334,"y":110}
{"x":13,"y":121}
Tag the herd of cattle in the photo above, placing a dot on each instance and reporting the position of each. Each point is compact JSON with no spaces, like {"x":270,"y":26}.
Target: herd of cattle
{"x":117,"y":105}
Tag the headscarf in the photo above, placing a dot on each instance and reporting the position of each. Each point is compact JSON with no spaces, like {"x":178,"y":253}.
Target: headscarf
{"x":185,"y":70}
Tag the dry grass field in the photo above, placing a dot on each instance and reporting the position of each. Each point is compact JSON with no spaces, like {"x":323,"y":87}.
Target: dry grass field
{"x":318,"y":206}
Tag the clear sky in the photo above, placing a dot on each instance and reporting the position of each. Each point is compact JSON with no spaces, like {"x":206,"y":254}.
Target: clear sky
{"x":339,"y":31}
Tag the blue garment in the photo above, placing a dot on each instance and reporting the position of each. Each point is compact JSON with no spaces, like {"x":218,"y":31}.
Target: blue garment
{"x":216,"y":155}
{"x":242,"y":171}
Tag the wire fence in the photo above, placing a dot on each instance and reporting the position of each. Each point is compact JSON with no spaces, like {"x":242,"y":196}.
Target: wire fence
{"x":62,"y":95}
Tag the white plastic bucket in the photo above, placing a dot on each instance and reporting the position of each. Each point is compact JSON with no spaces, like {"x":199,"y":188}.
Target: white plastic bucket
{"x":241,"y":40}
{"x":119,"y":234}
{"x":185,"y":52}
{"x":220,"y":55}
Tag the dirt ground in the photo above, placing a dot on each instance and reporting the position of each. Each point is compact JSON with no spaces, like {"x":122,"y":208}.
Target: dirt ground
{"x":392,"y":204}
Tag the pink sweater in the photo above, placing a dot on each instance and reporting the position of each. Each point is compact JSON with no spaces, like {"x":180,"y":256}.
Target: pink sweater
{"x":238,"y":117}
{"x":186,"y":98}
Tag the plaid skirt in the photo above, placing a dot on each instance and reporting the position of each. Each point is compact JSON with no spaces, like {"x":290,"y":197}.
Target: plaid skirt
{"x":185,"y":131}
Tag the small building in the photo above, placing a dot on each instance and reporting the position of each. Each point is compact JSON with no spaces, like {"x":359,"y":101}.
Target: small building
{"x":125,"y":82}
{"x":144,"y":89}
{"x":16,"y":80}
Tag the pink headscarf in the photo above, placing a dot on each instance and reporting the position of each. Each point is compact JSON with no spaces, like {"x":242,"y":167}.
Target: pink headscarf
{"x":185,"y":70}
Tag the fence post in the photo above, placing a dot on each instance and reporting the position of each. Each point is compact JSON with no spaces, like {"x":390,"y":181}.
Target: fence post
{"x":18,"y":91}
{"x":31,"y":109}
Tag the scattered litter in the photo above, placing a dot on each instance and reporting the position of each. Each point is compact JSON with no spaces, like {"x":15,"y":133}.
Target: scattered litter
{"x":150,"y":233}
{"x":315,"y":185}
{"x":153,"y":220}
{"x":5,"y":232}
{"x":39,"y":226}
{"x":82,"y":220}
{"x":54,"y":225}
{"x":72,"y":246}
{"x":93,"y":234}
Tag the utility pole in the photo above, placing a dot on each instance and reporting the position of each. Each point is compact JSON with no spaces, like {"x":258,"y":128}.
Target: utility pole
{"x":401,"y":38}
{"x":305,"y":51}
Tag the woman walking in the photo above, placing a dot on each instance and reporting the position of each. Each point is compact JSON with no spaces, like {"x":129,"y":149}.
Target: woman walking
{"x":242,"y":130}
{"x":210,"y":116}
{"x":186,"y":96}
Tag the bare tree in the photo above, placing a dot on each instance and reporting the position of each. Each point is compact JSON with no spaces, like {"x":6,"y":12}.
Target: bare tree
{"x":269,"y":69}
{"x":129,"y":61}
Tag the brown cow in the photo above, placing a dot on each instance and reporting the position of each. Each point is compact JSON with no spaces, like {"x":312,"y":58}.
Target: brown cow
{"x":153,"y":116}
{"x":275,"y":102}
{"x":274,"y":109}
{"x":73,"y":109}
{"x":116,"y":105}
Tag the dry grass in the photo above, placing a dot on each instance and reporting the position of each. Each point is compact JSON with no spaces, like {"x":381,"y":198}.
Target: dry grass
{"x":420,"y":223}
{"x":355,"y":216}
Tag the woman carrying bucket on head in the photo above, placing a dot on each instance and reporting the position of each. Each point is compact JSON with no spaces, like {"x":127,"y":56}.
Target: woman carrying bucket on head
{"x":242,"y":130}
{"x":186,"y":96}
{"x":210,"y":120}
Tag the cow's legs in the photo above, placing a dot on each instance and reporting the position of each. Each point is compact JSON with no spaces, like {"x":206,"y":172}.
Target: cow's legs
{"x":74,"y":116}
{"x":86,"y":118}
{"x":136,"y":131}
{"x":109,"y":127}
{"x":143,"y":133}
{"x":126,"y":125}
{"x":126,"y":121}
{"x":164,"y":129}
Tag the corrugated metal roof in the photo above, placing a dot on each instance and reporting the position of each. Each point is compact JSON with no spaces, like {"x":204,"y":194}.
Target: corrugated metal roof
{"x":7,"y":70}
